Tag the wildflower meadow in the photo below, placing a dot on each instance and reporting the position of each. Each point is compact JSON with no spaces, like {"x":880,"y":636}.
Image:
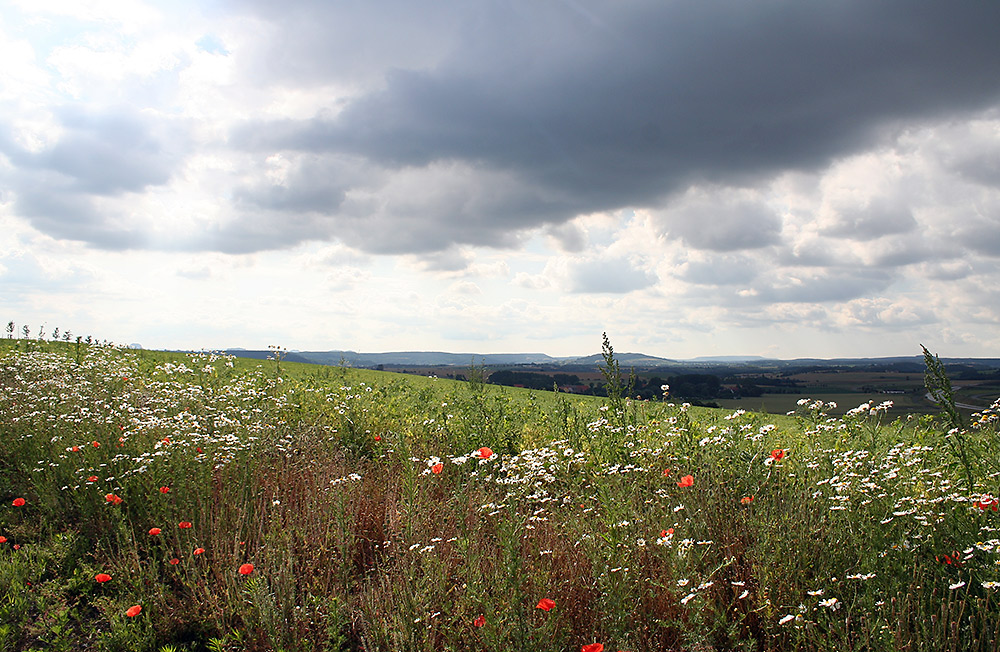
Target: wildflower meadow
{"x":170,"y":502}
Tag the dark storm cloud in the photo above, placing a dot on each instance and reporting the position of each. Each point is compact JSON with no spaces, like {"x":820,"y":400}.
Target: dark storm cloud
{"x":981,"y":233}
{"x":980,"y":164}
{"x":454,"y":123}
{"x":969,"y":150}
{"x":429,"y":209}
{"x":832,"y":285}
{"x":354,"y":42}
{"x":569,"y":237}
{"x":95,"y":156}
{"x":811,"y":253}
{"x":72,"y":216}
{"x":103,"y":154}
{"x":445,"y":261}
{"x":311,"y":185}
{"x":880,"y":217}
{"x":953,"y":270}
{"x":319,"y":198}
{"x":720,"y":270}
{"x":722,"y":224}
{"x":610,"y":105}
{"x":910,"y":249}
{"x":256,"y":230}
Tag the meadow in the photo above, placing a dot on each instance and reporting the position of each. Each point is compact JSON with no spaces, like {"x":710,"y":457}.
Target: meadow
{"x":171,"y":502}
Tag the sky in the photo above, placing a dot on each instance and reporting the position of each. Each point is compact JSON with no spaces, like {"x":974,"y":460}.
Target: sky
{"x":777,"y":178}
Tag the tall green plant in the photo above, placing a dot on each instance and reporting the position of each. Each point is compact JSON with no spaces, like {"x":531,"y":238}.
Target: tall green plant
{"x":939,"y":387}
{"x":611,"y":372}
{"x":617,"y":389}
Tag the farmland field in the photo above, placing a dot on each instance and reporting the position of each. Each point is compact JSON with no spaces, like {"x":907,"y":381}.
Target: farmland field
{"x":849,"y":389}
{"x":167,"y":502}
{"x":784,"y":403}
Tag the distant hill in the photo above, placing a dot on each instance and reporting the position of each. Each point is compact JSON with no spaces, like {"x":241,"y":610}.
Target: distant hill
{"x":404,"y":358}
{"x":624,"y":359}
{"x":638,"y":361}
{"x":727,"y":358}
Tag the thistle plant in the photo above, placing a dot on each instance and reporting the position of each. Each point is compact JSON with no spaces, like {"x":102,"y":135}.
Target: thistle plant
{"x":940,"y":389}
{"x":619,"y":413}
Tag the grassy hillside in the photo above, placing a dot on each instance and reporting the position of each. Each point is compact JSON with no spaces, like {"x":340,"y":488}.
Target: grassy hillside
{"x":154,"y":501}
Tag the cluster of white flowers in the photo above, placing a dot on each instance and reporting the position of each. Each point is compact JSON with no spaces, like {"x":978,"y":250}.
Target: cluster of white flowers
{"x":351,"y":477}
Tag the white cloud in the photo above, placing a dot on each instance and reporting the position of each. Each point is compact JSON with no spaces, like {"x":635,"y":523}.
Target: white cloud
{"x":467,"y":288}
{"x":722,"y":219}
{"x":531,"y":281}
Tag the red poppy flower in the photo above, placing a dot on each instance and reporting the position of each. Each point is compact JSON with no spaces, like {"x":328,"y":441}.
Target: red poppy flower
{"x":164,"y":490}
{"x":18,"y":502}
{"x":437,"y":468}
{"x":102,"y":578}
{"x":153,"y":531}
{"x":666,"y":472}
{"x":17,"y":546}
{"x":545,"y":604}
{"x":378,"y":438}
{"x":988,"y":502}
{"x":198,"y":449}
{"x":75,"y":449}
{"x":3,"y":539}
{"x":96,"y":444}
{"x":113,"y":499}
{"x":92,"y":478}
{"x":485,"y":453}
{"x":184,"y":525}
{"x":746,"y":500}
{"x":133,"y":611}
{"x":175,"y":561}
{"x":246,"y":569}
{"x":664,"y":533}
{"x":777,"y":454}
{"x":593,"y":647}
{"x":198,"y":551}
{"x":686,"y":481}
{"x":479,"y":621}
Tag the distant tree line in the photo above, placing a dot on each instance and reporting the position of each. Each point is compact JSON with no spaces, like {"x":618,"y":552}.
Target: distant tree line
{"x":534,"y":380}
{"x":699,"y":389}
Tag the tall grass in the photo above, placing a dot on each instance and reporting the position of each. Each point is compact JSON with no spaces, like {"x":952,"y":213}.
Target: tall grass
{"x":388,"y":513}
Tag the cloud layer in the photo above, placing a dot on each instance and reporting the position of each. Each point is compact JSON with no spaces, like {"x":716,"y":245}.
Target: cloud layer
{"x":711,"y":166}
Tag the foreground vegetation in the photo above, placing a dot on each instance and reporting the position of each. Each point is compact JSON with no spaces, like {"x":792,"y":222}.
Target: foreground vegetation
{"x":157,"y":502}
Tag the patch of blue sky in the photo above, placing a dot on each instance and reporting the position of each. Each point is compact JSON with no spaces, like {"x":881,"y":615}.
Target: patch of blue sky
{"x":212,"y":44}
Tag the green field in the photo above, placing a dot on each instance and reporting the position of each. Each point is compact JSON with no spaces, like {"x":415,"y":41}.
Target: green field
{"x":784,"y":403}
{"x":167,"y":502}
{"x":850,"y":389}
